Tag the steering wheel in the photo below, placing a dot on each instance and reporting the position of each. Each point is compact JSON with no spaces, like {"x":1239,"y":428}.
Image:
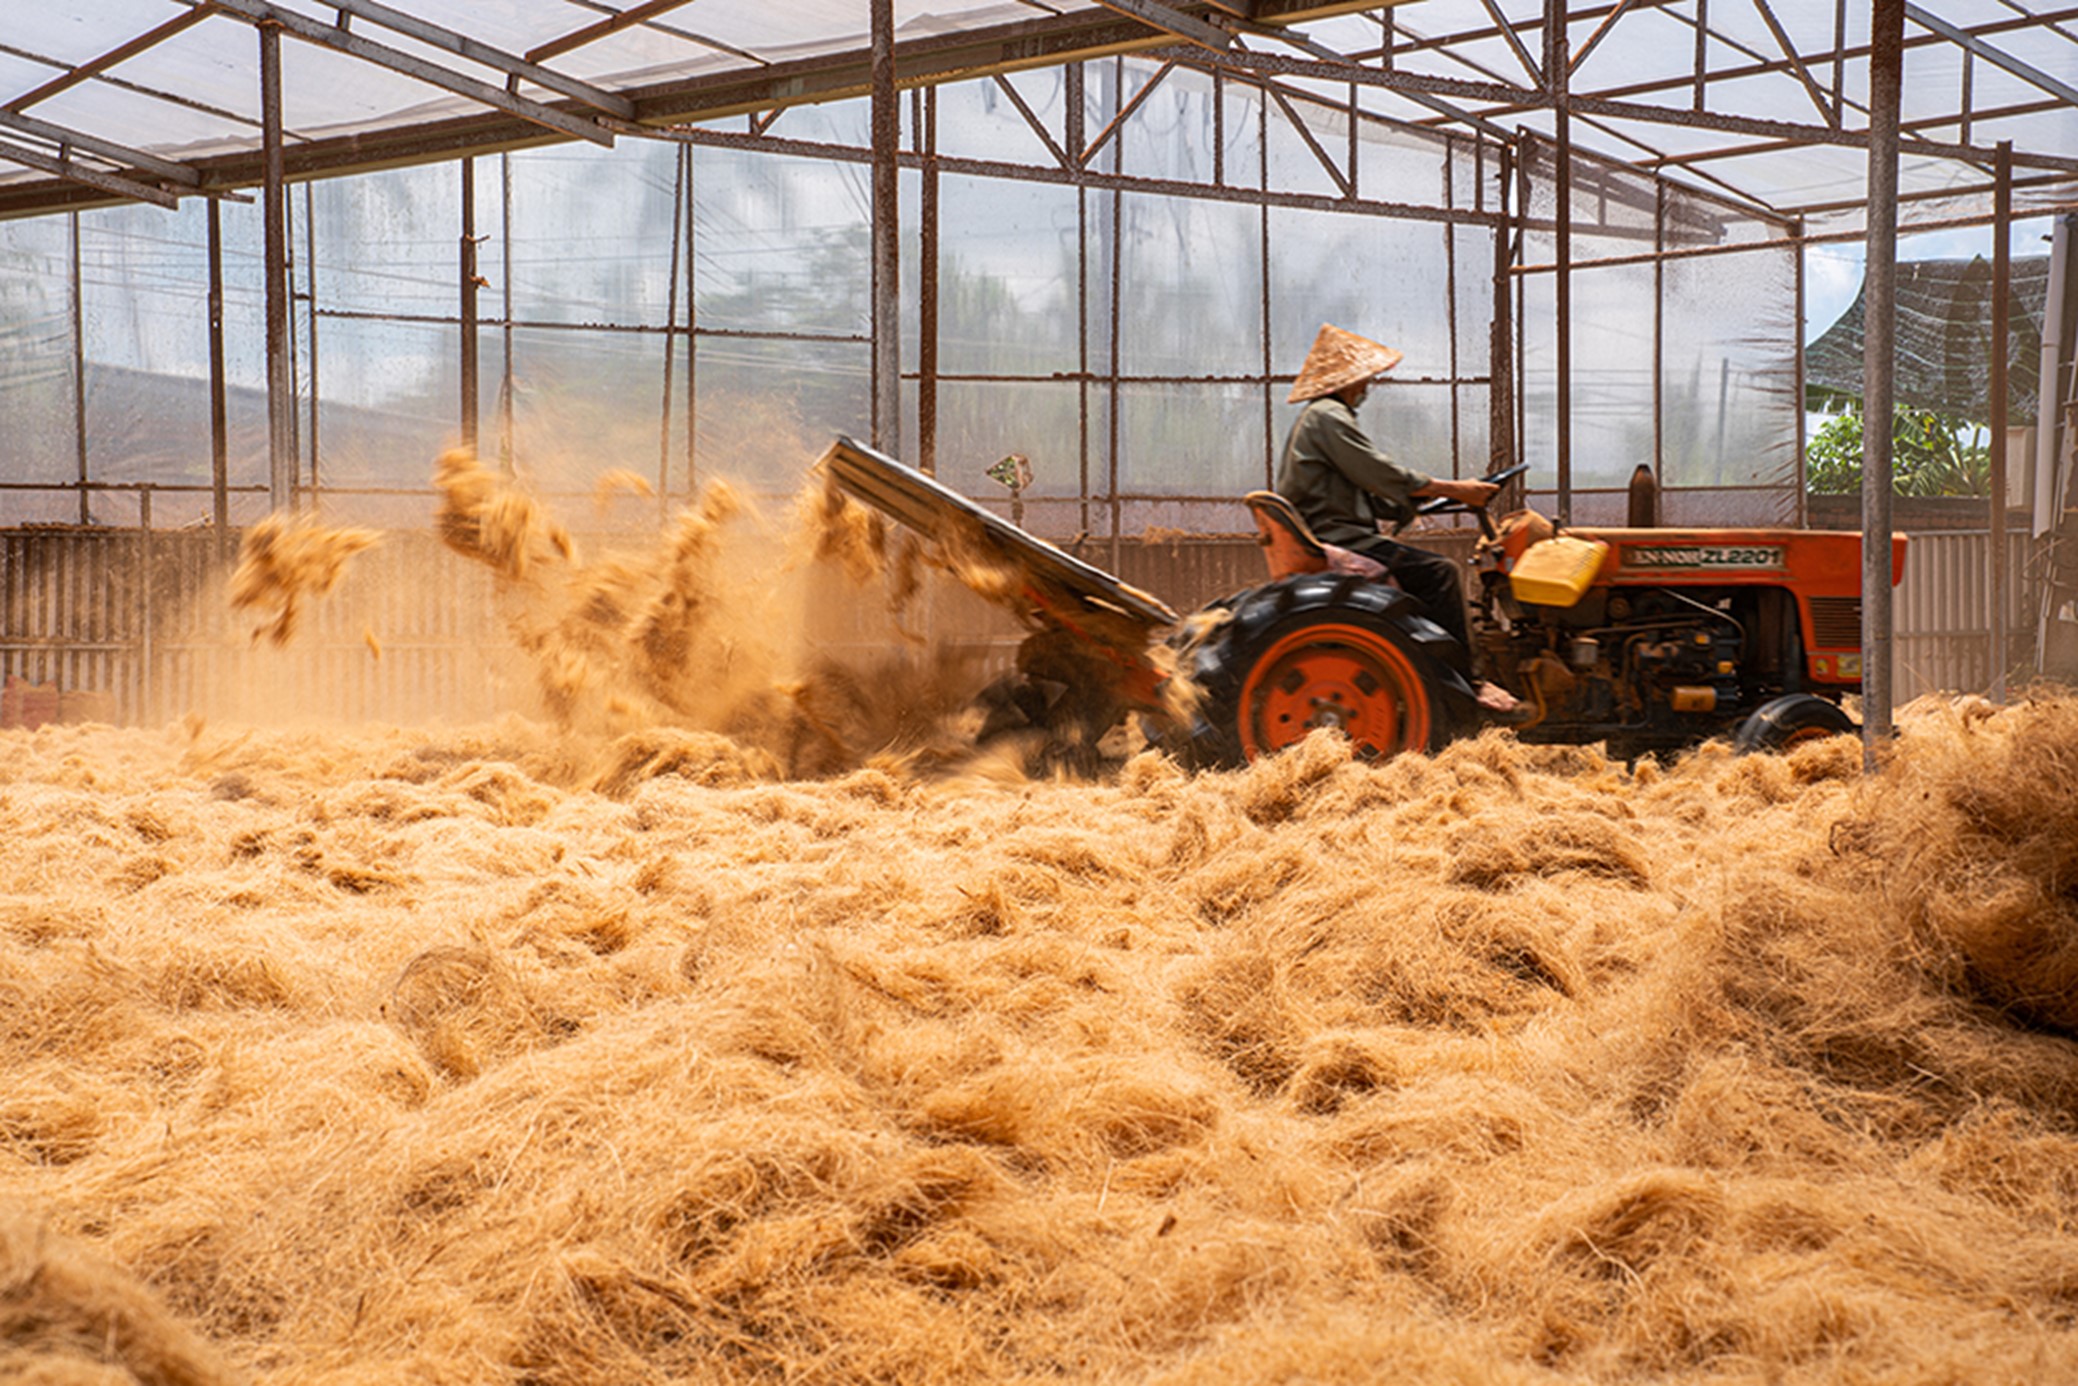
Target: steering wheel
{"x":1444,"y":505}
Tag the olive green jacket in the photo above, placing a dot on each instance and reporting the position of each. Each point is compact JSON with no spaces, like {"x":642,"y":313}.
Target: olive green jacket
{"x":1339,"y":479}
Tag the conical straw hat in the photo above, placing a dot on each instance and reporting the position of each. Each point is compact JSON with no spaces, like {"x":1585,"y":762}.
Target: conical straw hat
{"x":1339,"y":358}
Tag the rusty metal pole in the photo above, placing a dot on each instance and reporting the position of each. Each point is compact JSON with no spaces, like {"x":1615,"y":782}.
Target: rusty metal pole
{"x":77,"y":291}
{"x":1556,"y":56}
{"x":1500,"y":400}
{"x":219,"y":431}
{"x":1999,"y":406}
{"x":887,"y":239}
{"x":927,"y":295}
{"x":469,"y":283}
{"x":505,"y":324}
{"x":684,"y":154}
{"x":281,"y":385}
{"x":1803,"y":507}
{"x":1886,"y":65}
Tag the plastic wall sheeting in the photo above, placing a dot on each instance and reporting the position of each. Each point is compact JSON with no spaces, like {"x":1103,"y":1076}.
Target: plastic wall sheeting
{"x":1686,"y":365}
{"x":37,"y":385}
{"x":118,"y":391}
{"x":685,"y":312}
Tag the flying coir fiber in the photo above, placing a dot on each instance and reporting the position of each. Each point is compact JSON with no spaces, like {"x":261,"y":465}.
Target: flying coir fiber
{"x":284,"y":563}
{"x":510,"y":1054}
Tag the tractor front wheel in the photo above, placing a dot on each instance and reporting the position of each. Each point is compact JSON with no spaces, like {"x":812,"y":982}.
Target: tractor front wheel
{"x":1784,"y":723}
{"x":1321,"y":651}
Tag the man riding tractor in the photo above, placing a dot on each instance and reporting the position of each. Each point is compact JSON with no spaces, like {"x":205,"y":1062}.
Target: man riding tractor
{"x":1342,"y":484}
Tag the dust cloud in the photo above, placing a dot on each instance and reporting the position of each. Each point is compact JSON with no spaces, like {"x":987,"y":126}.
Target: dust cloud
{"x":672,"y":1038}
{"x":802,"y":635}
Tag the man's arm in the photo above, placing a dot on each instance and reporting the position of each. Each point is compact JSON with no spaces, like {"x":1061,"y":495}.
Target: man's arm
{"x":1362,"y":461}
{"x":1345,"y":444}
{"x":1470,"y":492}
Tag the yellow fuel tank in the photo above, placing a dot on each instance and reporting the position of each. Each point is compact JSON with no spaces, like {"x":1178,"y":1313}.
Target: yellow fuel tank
{"x":1554,"y":572}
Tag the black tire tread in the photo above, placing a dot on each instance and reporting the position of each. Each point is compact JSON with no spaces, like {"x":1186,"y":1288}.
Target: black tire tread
{"x":1770,"y":726}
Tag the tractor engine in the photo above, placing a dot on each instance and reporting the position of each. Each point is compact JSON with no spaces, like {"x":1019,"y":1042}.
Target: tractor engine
{"x":1641,"y":661}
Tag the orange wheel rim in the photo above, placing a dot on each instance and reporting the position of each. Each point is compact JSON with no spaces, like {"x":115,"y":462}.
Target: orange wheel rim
{"x":1806,"y":737}
{"x":1334,"y":675}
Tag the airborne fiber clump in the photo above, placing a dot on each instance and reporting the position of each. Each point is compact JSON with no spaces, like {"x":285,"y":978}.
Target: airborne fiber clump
{"x":700,"y":630}
{"x":477,"y":1056}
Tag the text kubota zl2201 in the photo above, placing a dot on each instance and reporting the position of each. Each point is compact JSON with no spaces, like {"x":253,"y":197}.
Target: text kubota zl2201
{"x":1645,"y":639}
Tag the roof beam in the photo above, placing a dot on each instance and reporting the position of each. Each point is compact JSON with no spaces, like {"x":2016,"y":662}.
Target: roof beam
{"x":1796,"y":64}
{"x":482,"y":53}
{"x":1507,"y":31}
{"x":1807,"y":134}
{"x":1044,"y":41}
{"x":108,"y":149}
{"x":80,"y":72}
{"x":1991,"y":53}
{"x":353,"y":45}
{"x":1174,"y":22}
{"x":65,"y":168}
{"x":1522,"y":99}
{"x":1601,"y":32}
{"x":612,"y":24}
{"x":1760,"y":66}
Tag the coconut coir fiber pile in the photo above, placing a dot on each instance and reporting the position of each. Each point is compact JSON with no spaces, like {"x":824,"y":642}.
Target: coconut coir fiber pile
{"x":421,"y":1057}
{"x":615,"y":1049}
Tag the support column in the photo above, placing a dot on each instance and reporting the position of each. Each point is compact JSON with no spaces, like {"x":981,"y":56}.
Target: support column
{"x":1500,"y":398}
{"x":1999,"y":406}
{"x":470,"y":281}
{"x":219,"y":431}
{"x":505,"y":444}
{"x":1803,"y":508}
{"x":927,"y":296}
{"x":281,"y":385}
{"x":79,"y":373}
{"x":887,"y":238}
{"x":1557,"y":54}
{"x":683,"y":152}
{"x":1886,"y":63}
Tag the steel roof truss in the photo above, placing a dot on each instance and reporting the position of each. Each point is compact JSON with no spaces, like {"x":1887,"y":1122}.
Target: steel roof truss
{"x":1118,"y":121}
{"x":108,"y":149}
{"x":1032,"y":119}
{"x":1991,"y":53}
{"x":63,"y":166}
{"x":330,"y":36}
{"x":1344,"y":181}
{"x":1601,"y":31}
{"x":1796,"y":65}
{"x":1157,"y":15}
{"x":1761,"y":65}
{"x":73,"y":76}
{"x":1522,"y":53}
{"x":604,"y":28}
{"x":483,"y":54}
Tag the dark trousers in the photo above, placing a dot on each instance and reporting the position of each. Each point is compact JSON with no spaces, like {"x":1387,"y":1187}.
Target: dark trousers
{"x":1430,"y":579}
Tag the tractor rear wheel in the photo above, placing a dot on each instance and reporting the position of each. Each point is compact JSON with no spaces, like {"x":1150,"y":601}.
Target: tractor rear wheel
{"x":1784,"y":723}
{"x":1322,"y":650}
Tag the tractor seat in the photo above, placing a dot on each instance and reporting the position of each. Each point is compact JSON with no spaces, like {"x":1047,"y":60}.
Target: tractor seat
{"x":1289,"y":546}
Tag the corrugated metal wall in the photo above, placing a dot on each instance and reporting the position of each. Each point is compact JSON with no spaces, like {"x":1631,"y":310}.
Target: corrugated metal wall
{"x":414,"y":632}
{"x":410,"y":634}
{"x":1943,"y":615}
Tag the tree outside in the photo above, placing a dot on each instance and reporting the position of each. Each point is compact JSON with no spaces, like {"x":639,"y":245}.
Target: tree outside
{"x":1932,"y":454}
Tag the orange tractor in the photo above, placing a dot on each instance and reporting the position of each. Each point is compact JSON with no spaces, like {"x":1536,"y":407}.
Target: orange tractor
{"x":1644,"y":639}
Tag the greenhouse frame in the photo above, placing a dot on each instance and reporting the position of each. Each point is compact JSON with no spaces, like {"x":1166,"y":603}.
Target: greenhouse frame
{"x":265,"y":256}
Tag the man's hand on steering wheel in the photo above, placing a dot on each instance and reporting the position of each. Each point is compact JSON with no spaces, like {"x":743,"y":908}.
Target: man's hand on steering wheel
{"x":1472,"y":493}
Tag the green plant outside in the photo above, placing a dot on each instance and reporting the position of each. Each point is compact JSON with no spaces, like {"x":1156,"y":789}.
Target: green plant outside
{"x":1932,"y":454}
